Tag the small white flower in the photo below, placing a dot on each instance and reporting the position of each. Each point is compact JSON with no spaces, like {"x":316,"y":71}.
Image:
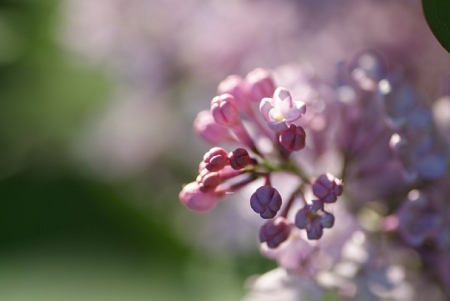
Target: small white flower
{"x":281,"y":111}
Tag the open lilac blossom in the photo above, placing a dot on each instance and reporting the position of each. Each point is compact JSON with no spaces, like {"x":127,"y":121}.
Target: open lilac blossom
{"x":266,"y":201}
{"x":281,"y":110}
{"x":314,"y":219}
{"x":327,"y":188}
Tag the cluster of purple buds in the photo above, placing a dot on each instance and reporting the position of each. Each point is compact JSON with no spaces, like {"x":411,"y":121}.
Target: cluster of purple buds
{"x":313,"y":217}
{"x":235,"y":118}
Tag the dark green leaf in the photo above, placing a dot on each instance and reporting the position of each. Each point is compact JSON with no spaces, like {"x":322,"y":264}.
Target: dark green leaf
{"x":437,"y":14}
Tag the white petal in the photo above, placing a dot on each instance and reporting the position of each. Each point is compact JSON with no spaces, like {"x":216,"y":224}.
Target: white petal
{"x":264,"y":107}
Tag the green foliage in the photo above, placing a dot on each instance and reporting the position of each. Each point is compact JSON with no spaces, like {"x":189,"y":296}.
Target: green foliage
{"x":437,"y":14}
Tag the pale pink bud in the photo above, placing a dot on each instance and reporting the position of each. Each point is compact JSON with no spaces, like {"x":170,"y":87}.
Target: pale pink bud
{"x":235,"y":86}
{"x":194,"y":199}
{"x":239,"y":158}
{"x":275,"y":231}
{"x":327,"y":188}
{"x":216,"y":159}
{"x":225,"y":110}
{"x":266,"y":201}
{"x":293,"y":139}
{"x":260,"y":84}
{"x":207,"y":128}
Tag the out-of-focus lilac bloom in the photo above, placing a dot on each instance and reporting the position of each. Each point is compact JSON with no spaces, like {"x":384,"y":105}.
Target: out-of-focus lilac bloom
{"x":368,"y":69}
{"x":293,"y":253}
{"x":280,"y":284}
{"x":417,"y":219}
{"x":281,"y":110}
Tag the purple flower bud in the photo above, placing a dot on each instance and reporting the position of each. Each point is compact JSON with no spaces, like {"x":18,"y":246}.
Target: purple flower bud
{"x":207,"y":128}
{"x":275,"y":231}
{"x":196,"y":200}
{"x":327,"y":188}
{"x":239,"y":158}
{"x":266,"y":201}
{"x":260,"y":84}
{"x":293,"y":139}
{"x":225,"y":110}
{"x":216,"y":159}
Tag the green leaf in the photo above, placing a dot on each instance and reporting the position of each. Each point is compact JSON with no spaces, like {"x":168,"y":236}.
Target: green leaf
{"x":437,"y":14}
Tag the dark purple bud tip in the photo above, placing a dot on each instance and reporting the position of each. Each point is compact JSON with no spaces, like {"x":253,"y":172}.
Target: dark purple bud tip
{"x":327,"y":188}
{"x":215,"y":159}
{"x":239,"y":158}
{"x":275,"y":231}
{"x":293,"y":139}
{"x":266,"y":201}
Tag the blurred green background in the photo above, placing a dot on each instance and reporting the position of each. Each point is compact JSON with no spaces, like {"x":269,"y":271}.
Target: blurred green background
{"x":65,"y":235}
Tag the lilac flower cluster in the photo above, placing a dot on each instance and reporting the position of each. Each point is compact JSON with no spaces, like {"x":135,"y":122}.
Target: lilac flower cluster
{"x":372,"y":129}
{"x":232,"y":114}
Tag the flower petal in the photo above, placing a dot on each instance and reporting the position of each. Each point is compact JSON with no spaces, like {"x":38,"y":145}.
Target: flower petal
{"x":264,"y":107}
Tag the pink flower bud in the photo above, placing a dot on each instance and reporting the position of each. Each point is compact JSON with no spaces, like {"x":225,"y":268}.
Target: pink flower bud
{"x":266,"y":201}
{"x":207,"y":128}
{"x":216,"y":159}
{"x":225,"y":110}
{"x":235,"y":86}
{"x":293,"y":139}
{"x":194,"y":199}
{"x":260,"y":84}
{"x":239,"y":158}
{"x":208,"y":181}
{"x":327,"y":188}
{"x":275,"y":231}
